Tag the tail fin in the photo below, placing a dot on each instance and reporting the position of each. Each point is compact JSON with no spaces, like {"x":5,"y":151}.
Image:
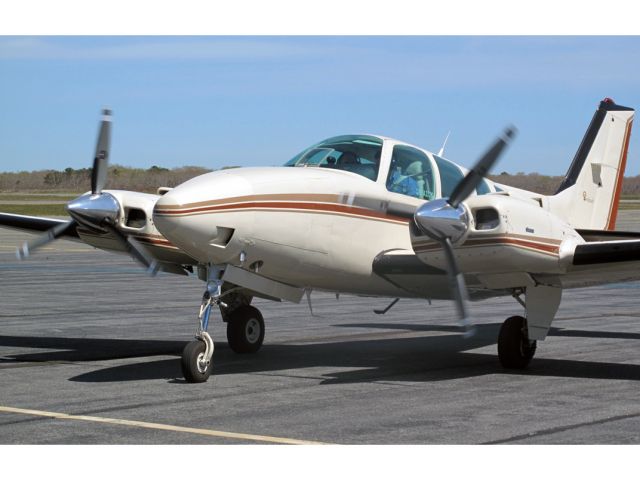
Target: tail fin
{"x":590,"y":192}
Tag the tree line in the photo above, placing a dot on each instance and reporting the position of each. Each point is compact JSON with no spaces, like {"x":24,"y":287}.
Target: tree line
{"x":119,"y":178}
{"x":148,"y":180}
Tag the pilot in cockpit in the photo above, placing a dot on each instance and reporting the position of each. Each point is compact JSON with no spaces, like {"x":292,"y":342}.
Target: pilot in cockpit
{"x":410,"y":173}
{"x":348,"y":158}
{"x":401,"y":178}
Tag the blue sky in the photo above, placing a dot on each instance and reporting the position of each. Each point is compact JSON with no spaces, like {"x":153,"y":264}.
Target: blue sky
{"x":216,"y":101}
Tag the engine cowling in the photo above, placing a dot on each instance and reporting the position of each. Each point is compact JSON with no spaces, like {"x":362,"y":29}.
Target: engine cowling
{"x":503,"y":234}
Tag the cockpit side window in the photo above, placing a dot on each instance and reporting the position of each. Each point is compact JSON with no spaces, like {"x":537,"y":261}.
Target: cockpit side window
{"x":450,"y":176}
{"x":483,"y":188}
{"x":410,"y":173}
{"x":352,"y":153}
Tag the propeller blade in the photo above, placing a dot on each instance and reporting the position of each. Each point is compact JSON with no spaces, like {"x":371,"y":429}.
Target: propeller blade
{"x":143,"y":256}
{"x":469,"y":183}
{"x":101,"y":159}
{"x":458,"y":289}
{"x":50,"y":235}
{"x":136,"y":250}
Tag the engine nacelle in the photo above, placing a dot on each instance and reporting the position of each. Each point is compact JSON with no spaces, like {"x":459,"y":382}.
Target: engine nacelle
{"x":505,"y":234}
{"x":132,"y":214}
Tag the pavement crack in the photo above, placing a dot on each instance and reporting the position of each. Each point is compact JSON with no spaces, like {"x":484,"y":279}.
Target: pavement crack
{"x":551,"y":431}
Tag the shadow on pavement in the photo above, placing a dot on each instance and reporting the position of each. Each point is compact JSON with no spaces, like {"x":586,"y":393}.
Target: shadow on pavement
{"x":414,"y":359}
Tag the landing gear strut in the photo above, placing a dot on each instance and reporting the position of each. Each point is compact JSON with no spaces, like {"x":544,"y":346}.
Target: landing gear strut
{"x":196,"y":356}
{"x":245,"y":327}
{"x":515,"y":350}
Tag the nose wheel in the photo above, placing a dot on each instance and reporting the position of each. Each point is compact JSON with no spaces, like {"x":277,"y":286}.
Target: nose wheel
{"x":196,"y":357}
{"x":195,"y":366}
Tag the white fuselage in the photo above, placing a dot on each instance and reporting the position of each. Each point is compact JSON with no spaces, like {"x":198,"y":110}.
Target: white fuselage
{"x":306,"y":236}
{"x":312,"y":237}
{"x":304,"y":226}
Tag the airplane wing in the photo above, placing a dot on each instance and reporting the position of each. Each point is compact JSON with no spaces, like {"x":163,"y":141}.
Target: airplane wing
{"x":607,"y":257}
{"x":171,"y":261}
{"x":403,"y":269}
{"x":30,"y":224}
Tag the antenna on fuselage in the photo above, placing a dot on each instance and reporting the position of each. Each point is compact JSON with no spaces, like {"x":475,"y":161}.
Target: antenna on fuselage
{"x":441,"y":151}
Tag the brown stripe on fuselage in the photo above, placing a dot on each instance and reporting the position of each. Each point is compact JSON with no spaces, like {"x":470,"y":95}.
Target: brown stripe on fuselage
{"x":332,"y":208}
{"x":310,"y":197}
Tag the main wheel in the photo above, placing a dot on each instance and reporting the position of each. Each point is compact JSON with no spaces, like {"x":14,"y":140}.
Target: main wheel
{"x":193,"y":367}
{"x":515,"y":350}
{"x":245,"y":329}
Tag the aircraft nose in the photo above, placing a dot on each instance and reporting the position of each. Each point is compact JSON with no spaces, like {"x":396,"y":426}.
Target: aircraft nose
{"x":177,"y":219}
{"x":166,"y":213}
{"x":193,"y":216}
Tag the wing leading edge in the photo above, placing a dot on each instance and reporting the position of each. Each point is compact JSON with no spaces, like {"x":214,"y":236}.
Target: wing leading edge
{"x":30,"y":224}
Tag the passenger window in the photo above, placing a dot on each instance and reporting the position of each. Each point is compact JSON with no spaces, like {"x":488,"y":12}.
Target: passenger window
{"x":450,"y":176}
{"x":410,"y":173}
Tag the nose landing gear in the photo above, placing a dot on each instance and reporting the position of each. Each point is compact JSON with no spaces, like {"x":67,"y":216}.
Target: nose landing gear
{"x":245,"y":328}
{"x":196,"y":356}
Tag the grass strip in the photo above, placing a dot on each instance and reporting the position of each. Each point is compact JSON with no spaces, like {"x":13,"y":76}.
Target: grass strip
{"x":41,"y":210}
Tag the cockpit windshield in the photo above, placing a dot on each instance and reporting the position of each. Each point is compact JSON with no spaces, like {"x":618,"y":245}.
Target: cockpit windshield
{"x":353,"y":153}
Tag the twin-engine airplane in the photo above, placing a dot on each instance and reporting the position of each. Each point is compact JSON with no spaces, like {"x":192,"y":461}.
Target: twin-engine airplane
{"x":369,"y":215}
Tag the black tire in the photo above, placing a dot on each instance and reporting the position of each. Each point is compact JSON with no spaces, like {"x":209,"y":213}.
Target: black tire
{"x":192,"y":371}
{"x":514,"y":348}
{"x":245,"y":330}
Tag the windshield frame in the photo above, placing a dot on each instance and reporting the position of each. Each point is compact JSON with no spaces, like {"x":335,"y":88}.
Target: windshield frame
{"x":358,"y":154}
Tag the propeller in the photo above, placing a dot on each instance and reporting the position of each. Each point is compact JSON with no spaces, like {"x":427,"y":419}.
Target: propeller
{"x":445,"y":220}
{"x":96,"y":210}
{"x":55,"y":232}
{"x":135,"y":249}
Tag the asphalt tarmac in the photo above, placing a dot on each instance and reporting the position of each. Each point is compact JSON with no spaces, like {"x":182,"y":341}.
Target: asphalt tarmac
{"x":89,"y":354}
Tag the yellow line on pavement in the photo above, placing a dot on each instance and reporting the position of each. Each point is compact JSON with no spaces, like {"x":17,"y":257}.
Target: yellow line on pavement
{"x":160,"y":426}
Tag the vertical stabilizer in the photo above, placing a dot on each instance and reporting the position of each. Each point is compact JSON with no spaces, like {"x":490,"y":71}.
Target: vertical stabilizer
{"x":590,"y":192}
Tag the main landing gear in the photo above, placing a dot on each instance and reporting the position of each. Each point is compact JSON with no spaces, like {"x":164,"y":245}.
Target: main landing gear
{"x":518,"y":335}
{"x":515,"y":350}
{"x":245,"y":329}
{"x":245,"y":333}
